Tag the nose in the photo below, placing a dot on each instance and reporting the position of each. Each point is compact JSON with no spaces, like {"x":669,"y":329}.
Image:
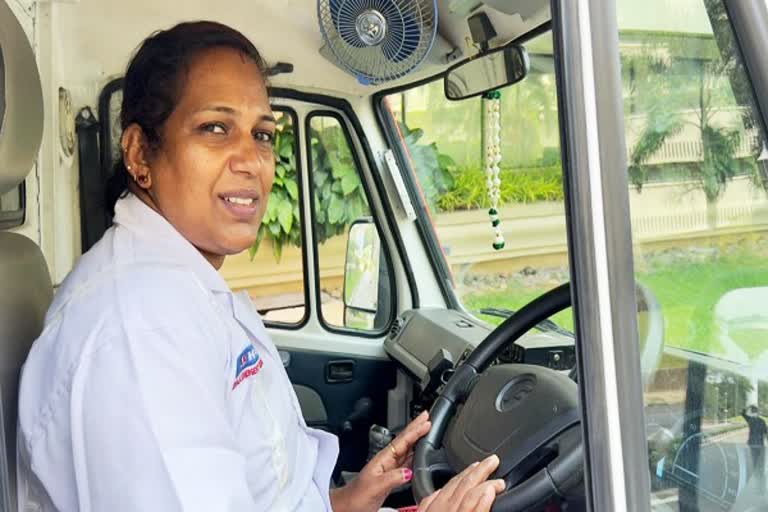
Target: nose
{"x":249,"y":157}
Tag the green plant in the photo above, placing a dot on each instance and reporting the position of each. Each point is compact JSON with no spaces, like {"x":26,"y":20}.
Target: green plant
{"x":676,"y":93}
{"x":660,"y":125}
{"x":282,"y":219}
{"x":525,"y":185}
{"x":434,"y":169}
{"x":550,"y":156}
{"x":339,"y":197}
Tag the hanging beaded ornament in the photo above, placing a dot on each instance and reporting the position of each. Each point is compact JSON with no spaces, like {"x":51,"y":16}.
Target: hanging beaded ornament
{"x":492,"y":161}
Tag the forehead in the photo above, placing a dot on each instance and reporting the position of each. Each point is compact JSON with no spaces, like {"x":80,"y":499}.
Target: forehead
{"x":224,"y":75}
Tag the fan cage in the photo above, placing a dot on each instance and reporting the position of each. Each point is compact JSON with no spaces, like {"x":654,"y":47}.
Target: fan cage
{"x":411,"y":30}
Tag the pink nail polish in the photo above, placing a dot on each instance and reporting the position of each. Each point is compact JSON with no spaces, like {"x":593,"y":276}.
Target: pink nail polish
{"x":407,"y":474}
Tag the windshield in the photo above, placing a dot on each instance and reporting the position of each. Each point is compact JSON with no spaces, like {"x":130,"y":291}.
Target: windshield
{"x":697,"y":179}
{"x":447,"y":144}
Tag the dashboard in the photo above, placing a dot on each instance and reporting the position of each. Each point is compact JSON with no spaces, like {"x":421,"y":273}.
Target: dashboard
{"x":425,"y":341}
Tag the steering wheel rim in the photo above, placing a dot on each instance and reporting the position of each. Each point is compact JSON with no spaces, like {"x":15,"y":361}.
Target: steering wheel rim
{"x":560,"y":474}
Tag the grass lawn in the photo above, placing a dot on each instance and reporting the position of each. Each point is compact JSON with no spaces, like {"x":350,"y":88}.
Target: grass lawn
{"x":687,"y":291}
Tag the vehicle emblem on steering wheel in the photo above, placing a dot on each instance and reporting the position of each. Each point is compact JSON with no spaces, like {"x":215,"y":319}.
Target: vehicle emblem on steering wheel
{"x":515,"y":392}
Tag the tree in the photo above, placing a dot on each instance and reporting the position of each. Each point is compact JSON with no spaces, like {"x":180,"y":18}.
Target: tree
{"x":665,"y":87}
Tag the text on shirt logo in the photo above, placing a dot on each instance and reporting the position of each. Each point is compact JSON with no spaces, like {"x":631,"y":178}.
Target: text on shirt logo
{"x":248,"y":364}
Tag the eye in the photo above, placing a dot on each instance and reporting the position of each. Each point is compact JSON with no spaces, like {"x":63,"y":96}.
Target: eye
{"x":217,"y":128}
{"x":267,"y":137}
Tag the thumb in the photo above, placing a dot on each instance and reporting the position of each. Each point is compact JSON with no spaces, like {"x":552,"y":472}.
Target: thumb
{"x":395,"y":478}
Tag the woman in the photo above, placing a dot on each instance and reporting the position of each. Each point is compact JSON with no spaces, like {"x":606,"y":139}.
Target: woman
{"x":153,"y":386}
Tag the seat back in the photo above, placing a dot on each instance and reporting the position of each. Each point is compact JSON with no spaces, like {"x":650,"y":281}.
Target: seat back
{"x":25,"y":294}
{"x":25,"y":285}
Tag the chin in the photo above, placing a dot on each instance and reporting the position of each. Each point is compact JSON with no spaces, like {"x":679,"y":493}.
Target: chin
{"x":237,"y":244}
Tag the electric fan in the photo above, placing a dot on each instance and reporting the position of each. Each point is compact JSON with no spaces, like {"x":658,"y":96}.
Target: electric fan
{"x":378,"y":40}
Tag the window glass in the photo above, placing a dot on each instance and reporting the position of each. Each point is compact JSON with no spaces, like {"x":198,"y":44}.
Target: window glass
{"x":353,"y":270}
{"x":272,"y":271}
{"x":699,"y":209}
{"x":446,"y":144}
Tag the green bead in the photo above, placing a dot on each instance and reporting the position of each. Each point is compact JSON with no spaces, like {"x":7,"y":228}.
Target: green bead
{"x":495,"y":222}
{"x":493,"y":211}
{"x":498,"y":246}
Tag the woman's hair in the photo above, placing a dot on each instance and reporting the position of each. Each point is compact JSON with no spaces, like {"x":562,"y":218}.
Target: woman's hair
{"x":155,"y":78}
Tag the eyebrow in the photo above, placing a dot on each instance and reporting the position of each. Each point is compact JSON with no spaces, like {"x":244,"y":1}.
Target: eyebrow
{"x":229,"y":110}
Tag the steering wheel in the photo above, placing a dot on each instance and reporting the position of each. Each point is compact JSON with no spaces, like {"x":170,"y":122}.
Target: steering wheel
{"x":527,"y":415}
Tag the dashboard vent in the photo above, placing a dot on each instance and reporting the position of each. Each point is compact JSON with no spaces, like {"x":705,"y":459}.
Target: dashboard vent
{"x":396,"y":328}
{"x":512,"y":354}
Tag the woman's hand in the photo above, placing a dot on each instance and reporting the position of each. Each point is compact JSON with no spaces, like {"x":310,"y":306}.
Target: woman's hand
{"x":469,"y":491}
{"x":388,"y":470}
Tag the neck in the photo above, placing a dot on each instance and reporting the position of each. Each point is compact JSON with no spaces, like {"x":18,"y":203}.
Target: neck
{"x":216,"y":260}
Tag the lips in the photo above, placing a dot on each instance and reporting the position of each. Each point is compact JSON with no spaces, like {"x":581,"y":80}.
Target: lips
{"x":242,"y":204}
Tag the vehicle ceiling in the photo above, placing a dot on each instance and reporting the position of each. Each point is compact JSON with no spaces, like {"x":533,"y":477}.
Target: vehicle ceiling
{"x":94,"y":38}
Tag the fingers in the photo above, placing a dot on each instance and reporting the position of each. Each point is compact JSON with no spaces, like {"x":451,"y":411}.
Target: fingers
{"x":426,"y":502}
{"x":384,"y":484}
{"x":470,"y":478}
{"x":398,"y":477}
{"x":415,"y":430}
{"x":469,"y":491}
{"x":481,"y":497}
{"x":398,"y":452}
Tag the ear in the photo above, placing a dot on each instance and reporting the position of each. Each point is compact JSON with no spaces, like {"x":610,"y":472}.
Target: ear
{"x":135,"y":150}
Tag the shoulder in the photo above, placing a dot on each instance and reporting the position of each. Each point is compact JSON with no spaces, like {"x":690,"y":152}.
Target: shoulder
{"x":135,"y":313}
{"x":145,"y":295}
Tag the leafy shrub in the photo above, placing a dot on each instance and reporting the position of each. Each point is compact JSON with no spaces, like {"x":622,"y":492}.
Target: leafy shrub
{"x":338,"y":194}
{"x":282,"y":220}
{"x":525,"y":185}
{"x":550,"y":157}
{"x":434,"y":170}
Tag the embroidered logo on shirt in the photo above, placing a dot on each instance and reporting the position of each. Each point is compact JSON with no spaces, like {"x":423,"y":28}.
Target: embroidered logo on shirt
{"x":248,"y":364}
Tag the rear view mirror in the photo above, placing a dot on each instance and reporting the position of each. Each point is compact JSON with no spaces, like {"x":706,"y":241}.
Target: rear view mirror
{"x":486,"y":72}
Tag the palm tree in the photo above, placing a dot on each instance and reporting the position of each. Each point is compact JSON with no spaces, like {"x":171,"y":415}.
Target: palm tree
{"x":663,"y":92}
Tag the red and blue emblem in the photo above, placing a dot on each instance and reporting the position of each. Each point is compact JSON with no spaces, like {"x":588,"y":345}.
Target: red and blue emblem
{"x":248,"y":364}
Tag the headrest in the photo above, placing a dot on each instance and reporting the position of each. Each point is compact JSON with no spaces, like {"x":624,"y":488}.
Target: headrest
{"x":21,"y":102}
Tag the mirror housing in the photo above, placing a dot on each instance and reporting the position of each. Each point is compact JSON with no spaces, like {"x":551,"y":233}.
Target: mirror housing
{"x":486,"y":72}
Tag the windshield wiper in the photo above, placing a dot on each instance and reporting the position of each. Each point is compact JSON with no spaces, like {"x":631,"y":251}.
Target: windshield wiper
{"x":544,"y":325}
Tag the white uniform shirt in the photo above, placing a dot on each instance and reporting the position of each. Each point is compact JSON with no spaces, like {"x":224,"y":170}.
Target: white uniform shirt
{"x":154,"y":388}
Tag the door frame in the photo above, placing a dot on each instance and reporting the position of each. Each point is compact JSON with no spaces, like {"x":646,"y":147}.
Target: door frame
{"x":600,"y":237}
{"x":600,"y":251}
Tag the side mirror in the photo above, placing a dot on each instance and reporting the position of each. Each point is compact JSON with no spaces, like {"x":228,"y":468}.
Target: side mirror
{"x":486,"y":72}
{"x":362,"y":275}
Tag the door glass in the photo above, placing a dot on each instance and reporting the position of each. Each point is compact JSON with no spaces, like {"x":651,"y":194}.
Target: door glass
{"x":446,"y":143}
{"x":272,"y":271}
{"x":699,"y":209}
{"x":354,"y":283}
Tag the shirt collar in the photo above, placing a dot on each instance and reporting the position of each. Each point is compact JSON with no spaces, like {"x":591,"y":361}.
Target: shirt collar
{"x":161,"y":242}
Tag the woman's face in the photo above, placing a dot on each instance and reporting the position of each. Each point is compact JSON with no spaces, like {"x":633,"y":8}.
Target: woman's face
{"x":212,"y":175}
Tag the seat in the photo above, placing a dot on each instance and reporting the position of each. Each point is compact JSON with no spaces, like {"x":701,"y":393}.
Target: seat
{"x":25,"y":294}
{"x":25,"y":284}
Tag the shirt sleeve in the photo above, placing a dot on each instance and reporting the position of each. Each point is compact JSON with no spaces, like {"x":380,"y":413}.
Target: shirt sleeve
{"x":150,"y":427}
